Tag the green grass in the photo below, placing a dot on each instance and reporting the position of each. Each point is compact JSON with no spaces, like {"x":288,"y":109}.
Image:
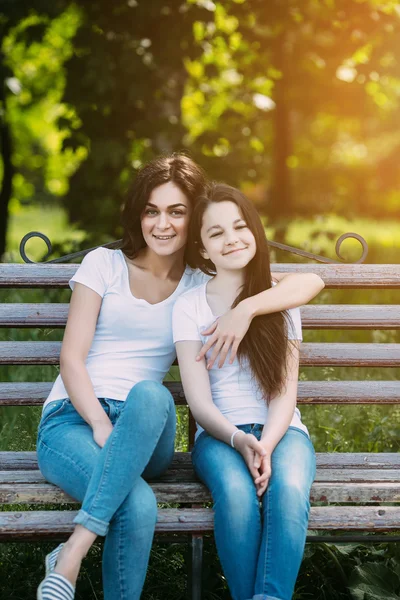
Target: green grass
{"x":319,"y":236}
{"x":49,"y":220}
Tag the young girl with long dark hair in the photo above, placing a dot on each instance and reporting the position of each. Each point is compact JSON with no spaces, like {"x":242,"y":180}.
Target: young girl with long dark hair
{"x":109,"y":423}
{"x":251,"y":399}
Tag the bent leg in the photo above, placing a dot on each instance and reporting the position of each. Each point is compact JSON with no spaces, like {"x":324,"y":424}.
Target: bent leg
{"x":109,"y":479}
{"x":126,"y":453}
{"x":128,"y":544}
{"x":164,"y":450}
{"x":286,"y":505}
{"x":66,"y":450}
{"x":237,"y":519}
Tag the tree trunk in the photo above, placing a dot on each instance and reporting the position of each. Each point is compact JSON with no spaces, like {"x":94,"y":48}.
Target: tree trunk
{"x":280,"y":202}
{"x":8,"y":171}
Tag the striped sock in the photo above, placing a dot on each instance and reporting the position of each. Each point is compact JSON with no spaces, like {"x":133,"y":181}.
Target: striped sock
{"x":51,"y":559}
{"x":56,"y":587}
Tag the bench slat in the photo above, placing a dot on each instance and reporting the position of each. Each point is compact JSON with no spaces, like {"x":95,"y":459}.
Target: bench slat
{"x":314,"y":316}
{"x":334,"y":275}
{"x":39,"y":492}
{"x":315,"y":354}
{"x":33,"y":525}
{"x":309,"y":392}
{"x":27,"y":461}
{"x":334,"y":474}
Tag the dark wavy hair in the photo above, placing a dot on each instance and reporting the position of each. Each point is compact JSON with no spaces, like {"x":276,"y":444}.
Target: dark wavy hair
{"x":178,"y":168}
{"x":266,"y":343}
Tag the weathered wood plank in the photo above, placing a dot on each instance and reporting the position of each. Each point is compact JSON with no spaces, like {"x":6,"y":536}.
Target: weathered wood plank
{"x":194,"y":492}
{"x":27,"y":461}
{"x":334,"y":275}
{"x":15,"y":275}
{"x":314,"y":316}
{"x":30,"y":353}
{"x":314,"y":354}
{"x":357,"y":493}
{"x":35,"y":393}
{"x":350,"y":355}
{"x":347,"y":276}
{"x":309,"y":392}
{"x":348,"y":392}
{"x":350,"y":316}
{"x":357,"y":475}
{"x":332,"y":476}
{"x":33,"y":315}
{"x":50,"y":524}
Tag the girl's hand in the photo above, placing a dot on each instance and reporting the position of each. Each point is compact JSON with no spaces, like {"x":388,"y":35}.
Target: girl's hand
{"x":101,"y":432}
{"x":251,"y":450}
{"x":263,"y":465}
{"x":226,"y":333}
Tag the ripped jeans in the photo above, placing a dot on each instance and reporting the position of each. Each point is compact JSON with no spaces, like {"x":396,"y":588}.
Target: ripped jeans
{"x":116,"y":500}
{"x":260,"y":549}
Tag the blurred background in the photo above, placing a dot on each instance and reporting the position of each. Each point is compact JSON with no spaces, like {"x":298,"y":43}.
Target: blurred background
{"x":295,"y":101}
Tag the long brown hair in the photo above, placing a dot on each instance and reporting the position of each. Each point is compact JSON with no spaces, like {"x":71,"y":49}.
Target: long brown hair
{"x":266,"y":343}
{"x":178,"y":168}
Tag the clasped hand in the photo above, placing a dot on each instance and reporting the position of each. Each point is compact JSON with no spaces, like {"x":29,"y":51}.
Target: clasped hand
{"x":257,"y":459}
{"x":226,"y":333}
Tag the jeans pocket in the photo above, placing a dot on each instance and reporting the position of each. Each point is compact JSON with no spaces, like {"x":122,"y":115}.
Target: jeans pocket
{"x":52,"y":409}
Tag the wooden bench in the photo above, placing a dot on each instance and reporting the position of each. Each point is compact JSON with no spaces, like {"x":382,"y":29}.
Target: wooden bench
{"x":352,"y":492}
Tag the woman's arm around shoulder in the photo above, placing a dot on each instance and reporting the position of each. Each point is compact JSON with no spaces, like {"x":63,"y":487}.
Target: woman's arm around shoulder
{"x":226,"y":333}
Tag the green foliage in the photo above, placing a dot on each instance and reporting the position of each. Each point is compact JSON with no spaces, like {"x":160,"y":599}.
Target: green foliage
{"x":255,"y":93}
{"x":349,"y":572}
{"x":305,"y":96}
{"x":40,"y":121}
{"x":375,"y":581}
{"x":329,"y":572}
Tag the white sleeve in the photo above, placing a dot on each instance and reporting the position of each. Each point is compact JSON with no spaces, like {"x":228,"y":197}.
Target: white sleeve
{"x":94,"y":271}
{"x":294,"y":324}
{"x":184,"y":324}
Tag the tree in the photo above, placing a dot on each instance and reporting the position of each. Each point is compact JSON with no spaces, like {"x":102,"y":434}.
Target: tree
{"x":300,"y":78}
{"x":34,"y":48}
{"x":126,"y":80}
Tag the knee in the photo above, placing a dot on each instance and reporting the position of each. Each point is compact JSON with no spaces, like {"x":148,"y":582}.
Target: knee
{"x":292,"y":489}
{"x":139,"y":508}
{"x":151,"y":393}
{"x":237,"y":500}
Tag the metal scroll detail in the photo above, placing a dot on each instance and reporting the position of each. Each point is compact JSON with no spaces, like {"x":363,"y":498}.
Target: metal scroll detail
{"x":116,"y":244}
{"x":323,"y":259}
{"x":61,"y":259}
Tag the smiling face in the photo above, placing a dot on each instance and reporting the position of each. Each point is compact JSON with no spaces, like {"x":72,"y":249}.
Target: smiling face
{"x":226,"y":238}
{"x":165,"y":220}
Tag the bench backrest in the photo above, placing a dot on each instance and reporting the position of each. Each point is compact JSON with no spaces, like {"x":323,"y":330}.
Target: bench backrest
{"x":314,"y":317}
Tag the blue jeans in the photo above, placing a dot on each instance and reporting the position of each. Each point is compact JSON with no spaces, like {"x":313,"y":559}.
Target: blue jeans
{"x":260,"y":550}
{"x":110,"y":481}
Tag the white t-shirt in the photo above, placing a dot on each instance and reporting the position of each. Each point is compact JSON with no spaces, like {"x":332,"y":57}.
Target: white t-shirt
{"x":233,"y":387}
{"x":133,"y":339}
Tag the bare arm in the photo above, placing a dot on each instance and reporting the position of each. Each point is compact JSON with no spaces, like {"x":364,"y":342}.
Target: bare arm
{"x":292,"y":290}
{"x":81,"y":324}
{"x":281,"y":407}
{"x":226,"y":333}
{"x":280,"y":414}
{"x":196,"y":384}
